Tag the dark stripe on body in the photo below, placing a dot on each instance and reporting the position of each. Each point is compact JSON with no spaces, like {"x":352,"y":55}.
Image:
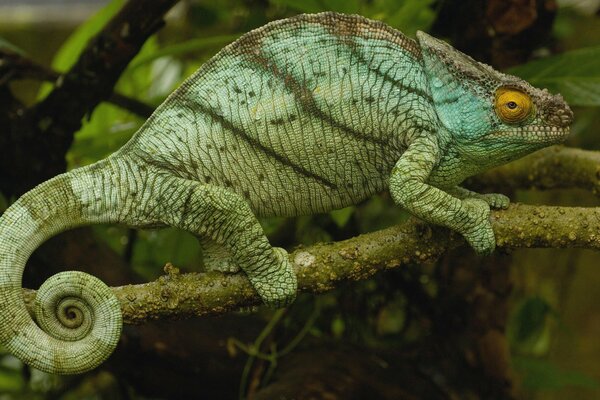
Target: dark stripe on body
{"x":305,"y":98}
{"x":300,"y":170}
{"x":353,"y":47}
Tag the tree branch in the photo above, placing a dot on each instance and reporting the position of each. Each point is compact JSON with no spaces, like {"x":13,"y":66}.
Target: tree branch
{"x":555,"y":167}
{"x":323,"y":266}
{"x":16,"y":66}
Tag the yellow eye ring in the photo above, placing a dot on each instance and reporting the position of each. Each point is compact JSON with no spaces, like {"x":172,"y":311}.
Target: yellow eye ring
{"x":512,"y":105}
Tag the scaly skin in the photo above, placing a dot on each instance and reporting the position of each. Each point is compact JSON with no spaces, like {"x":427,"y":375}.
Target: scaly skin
{"x":302,"y":116}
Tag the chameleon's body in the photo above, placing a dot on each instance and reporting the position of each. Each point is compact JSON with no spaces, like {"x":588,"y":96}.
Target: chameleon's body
{"x":302,"y":116}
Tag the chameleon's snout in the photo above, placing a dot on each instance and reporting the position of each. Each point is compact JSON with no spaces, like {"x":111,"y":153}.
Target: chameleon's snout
{"x":558,"y":113}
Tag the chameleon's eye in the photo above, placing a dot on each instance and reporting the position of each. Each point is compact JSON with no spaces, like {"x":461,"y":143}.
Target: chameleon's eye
{"x":512,"y":105}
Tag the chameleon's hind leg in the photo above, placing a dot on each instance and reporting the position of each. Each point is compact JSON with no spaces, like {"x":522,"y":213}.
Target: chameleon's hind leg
{"x":216,"y":257}
{"x":224,"y":217}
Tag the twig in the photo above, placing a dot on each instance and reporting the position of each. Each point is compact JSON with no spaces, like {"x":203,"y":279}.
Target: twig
{"x":16,"y":66}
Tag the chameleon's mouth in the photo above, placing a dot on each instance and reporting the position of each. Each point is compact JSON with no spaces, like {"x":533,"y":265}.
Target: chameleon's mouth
{"x":532,"y":134}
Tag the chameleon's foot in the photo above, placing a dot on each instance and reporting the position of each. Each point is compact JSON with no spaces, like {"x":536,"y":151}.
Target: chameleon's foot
{"x":277,"y":287}
{"x":496,"y":200}
{"x":478,"y":230}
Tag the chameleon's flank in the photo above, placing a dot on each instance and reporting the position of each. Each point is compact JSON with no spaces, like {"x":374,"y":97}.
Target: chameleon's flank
{"x":301,"y":116}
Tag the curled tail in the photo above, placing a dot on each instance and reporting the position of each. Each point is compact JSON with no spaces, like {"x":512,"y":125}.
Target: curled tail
{"x":77,"y":317}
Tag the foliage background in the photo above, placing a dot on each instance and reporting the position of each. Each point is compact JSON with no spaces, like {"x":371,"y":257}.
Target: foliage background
{"x":555,"y":314}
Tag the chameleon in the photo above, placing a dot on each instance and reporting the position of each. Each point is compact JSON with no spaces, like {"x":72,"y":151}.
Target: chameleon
{"x":303,"y":115}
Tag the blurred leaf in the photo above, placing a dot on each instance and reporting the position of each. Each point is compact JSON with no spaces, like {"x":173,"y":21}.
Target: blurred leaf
{"x":542,"y":375}
{"x":410,"y":16}
{"x":157,"y":247}
{"x":10,"y":380}
{"x":309,"y":231}
{"x":406,"y":15}
{"x":343,"y":6}
{"x":530,"y":318}
{"x":107,"y":130}
{"x":114,"y":235}
{"x":187,"y":47}
{"x":391,"y":317}
{"x":307,"y":6}
{"x":574,"y":74}
{"x":379,"y":212}
{"x":74,"y":45}
{"x":6,"y":45}
{"x":528,"y":329}
{"x":70,"y":50}
{"x":342,"y":216}
{"x":315,"y":6}
{"x":271,"y":224}
{"x":338,"y":326}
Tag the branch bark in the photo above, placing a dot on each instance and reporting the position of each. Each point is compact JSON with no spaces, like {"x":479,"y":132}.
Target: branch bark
{"x":324,"y":266}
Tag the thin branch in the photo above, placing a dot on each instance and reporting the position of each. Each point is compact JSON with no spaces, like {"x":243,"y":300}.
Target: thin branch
{"x":324,"y":266}
{"x":130,"y":104}
{"x":555,"y":167}
{"x":15,"y":66}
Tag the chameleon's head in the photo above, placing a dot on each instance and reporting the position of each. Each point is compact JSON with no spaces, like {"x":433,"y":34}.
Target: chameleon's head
{"x":493,"y":117}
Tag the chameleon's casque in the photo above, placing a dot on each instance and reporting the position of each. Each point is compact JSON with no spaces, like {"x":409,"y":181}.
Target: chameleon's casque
{"x":301,"y":116}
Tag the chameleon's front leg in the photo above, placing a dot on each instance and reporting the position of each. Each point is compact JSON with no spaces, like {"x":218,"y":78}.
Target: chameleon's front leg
{"x":225,"y":219}
{"x":409,"y":189}
{"x":495,"y":200}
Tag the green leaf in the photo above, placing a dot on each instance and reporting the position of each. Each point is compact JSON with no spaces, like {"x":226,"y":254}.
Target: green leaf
{"x":530,"y":319}
{"x":574,"y":74}
{"x":5,"y":44}
{"x":342,"y":216}
{"x":343,"y":6}
{"x":411,"y":16}
{"x":315,"y":6}
{"x":542,"y":375}
{"x":10,"y":380}
{"x":307,"y":6}
{"x":74,"y":45}
{"x":156,"y":247}
{"x":189,"y":46}
{"x":271,"y":224}
{"x":107,"y":130}
{"x":308,"y":231}
{"x":338,"y":326}
{"x":71,"y":49}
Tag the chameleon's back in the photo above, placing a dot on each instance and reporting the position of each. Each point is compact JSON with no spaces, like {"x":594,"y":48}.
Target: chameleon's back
{"x":303,"y":115}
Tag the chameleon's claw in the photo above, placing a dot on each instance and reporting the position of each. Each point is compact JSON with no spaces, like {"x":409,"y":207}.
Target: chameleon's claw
{"x":496,"y":200}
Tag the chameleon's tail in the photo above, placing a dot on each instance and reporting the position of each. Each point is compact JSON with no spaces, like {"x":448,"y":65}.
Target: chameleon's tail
{"x":77,"y":317}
